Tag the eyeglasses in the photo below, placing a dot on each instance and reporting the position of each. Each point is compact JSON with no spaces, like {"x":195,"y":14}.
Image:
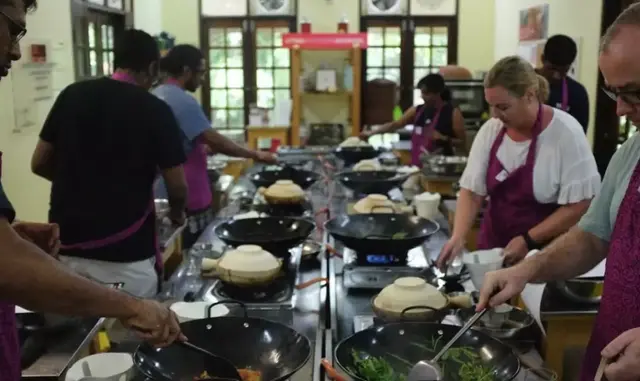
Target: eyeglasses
{"x":631,"y":97}
{"x":16,"y":30}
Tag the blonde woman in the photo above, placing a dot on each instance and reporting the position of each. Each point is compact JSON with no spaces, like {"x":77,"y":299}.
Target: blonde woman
{"x":531,"y":161}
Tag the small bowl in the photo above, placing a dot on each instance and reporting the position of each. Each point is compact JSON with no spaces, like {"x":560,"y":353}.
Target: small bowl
{"x":103,"y":367}
{"x":188,"y":311}
{"x":511,"y":322}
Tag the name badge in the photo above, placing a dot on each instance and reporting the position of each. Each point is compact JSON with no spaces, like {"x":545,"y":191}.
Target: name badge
{"x":502,"y":175}
{"x":419,"y":130}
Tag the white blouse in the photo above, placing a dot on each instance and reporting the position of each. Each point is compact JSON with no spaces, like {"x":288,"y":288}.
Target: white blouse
{"x":565,"y":170}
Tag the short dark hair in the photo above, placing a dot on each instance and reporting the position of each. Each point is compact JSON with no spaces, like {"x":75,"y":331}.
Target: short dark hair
{"x":560,"y":50}
{"x":434,"y":83}
{"x":135,"y":50}
{"x":179,"y":57}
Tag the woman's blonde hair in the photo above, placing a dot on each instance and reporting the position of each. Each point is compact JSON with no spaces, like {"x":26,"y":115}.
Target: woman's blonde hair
{"x":514,"y":74}
{"x":543,"y":89}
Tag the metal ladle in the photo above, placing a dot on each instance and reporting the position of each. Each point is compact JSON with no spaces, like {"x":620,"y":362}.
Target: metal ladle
{"x":426,"y":370}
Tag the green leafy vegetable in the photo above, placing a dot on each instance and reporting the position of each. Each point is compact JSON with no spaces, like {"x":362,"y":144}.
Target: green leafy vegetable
{"x":457,"y":364}
{"x":399,"y":235}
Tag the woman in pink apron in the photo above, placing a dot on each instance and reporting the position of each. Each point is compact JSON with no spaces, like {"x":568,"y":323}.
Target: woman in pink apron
{"x":516,"y":165}
{"x":438,"y":126}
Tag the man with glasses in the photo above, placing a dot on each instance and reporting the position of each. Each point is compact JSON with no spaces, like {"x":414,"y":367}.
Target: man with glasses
{"x":184,"y":66}
{"x":101,"y":147}
{"x":33,"y":279}
{"x":609,"y":230}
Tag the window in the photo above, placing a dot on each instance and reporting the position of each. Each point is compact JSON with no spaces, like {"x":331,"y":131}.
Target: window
{"x":246,"y":66}
{"x":404,"y":50}
{"x":95,"y":31}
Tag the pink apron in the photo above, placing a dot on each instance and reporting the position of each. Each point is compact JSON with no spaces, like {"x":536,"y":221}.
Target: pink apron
{"x":131,"y":230}
{"x":620,"y":305}
{"x":422,"y":136}
{"x":195,"y":171}
{"x":512,"y":209}
{"x":10,"y":369}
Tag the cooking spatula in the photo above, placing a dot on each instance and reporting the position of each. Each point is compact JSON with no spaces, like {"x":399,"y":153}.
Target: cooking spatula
{"x":426,"y":370}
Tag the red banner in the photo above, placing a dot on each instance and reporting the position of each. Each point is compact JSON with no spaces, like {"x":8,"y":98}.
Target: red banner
{"x":326,"y":41}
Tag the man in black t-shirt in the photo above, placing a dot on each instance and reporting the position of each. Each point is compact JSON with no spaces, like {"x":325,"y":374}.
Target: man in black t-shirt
{"x":565,"y":93}
{"x":31,"y":278}
{"x":102,"y":146}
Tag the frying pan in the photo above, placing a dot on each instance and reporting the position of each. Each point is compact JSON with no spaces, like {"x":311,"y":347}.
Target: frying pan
{"x":371,"y":182}
{"x":352,"y":155}
{"x":303,"y":178}
{"x":404,"y":344}
{"x":274,"y":234}
{"x":273,"y":349}
{"x":381,"y":233}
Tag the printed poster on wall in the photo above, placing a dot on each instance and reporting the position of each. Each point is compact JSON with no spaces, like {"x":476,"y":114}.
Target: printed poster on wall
{"x":534,"y":23}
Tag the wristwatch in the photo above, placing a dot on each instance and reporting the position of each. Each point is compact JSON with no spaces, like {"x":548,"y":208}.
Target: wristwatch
{"x":531,"y":244}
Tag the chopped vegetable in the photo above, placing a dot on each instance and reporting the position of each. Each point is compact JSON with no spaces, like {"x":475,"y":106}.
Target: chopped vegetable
{"x":457,"y":364}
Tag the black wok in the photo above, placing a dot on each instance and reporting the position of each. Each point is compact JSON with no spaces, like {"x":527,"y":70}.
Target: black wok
{"x":303,"y":178}
{"x":404,"y":344}
{"x":381,"y":233}
{"x":273,"y":349}
{"x":352,"y":155}
{"x":370,"y":182}
{"x":274,"y":234}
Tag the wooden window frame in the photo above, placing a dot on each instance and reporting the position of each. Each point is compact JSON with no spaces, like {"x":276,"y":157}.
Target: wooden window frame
{"x":83,"y":13}
{"x":249,"y":26}
{"x":407,"y":25}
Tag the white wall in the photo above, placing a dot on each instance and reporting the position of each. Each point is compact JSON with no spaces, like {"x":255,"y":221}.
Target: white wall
{"x":30,"y":194}
{"x":476,"y":34}
{"x":575,"y":18}
{"x":147,"y":15}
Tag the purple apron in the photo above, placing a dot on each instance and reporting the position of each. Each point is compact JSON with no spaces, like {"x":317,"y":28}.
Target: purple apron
{"x":565,"y":95}
{"x":422,"y":136}
{"x":620,"y":306}
{"x":10,"y":369}
{"x":131,"y":230}
{"x":195,"y":171}
{"x":512,"y":209}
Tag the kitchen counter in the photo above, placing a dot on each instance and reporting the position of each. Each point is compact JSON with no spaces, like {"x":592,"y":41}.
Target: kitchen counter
{"x":62,"y":351}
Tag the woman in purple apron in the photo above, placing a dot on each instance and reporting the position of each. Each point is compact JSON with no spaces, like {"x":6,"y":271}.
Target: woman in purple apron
{"x":502,"y":169}
{"x":438,"y":126}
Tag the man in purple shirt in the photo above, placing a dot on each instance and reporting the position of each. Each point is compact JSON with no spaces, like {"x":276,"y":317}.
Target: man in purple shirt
{"x":33,"y":279}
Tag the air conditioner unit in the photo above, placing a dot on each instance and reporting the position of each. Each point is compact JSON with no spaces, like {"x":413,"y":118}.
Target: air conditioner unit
{"x":384,"y":7}
{"x":270,"y":7}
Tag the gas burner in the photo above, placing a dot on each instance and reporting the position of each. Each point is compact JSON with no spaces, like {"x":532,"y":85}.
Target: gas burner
{"x":372,"y":271}
{"x":278,"y":292}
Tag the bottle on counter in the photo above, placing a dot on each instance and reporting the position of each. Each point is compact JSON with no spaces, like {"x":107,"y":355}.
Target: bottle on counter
{"x":343,"y":25}
{"x":305,"y":25}
{"x":347,"y":76}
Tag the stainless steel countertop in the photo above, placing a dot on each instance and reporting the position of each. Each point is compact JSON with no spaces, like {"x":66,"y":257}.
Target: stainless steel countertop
{"x":62,"y":352}
{"x":309,"y":314}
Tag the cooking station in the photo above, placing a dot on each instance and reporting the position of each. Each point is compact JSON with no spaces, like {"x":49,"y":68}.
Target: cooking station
{"x":325,"y":298}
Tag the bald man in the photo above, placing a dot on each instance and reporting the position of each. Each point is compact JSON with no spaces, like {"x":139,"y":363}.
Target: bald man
{"x":608,"y":230}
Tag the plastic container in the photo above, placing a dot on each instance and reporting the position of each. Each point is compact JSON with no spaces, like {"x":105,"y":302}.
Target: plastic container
{"x":427,"y":205}
{"x":481,"y":262}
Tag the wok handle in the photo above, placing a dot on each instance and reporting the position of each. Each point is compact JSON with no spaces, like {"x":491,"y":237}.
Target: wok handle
{"x":310,"y":282}
{"x":331,"y":372}
{"x":228,"y":301}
